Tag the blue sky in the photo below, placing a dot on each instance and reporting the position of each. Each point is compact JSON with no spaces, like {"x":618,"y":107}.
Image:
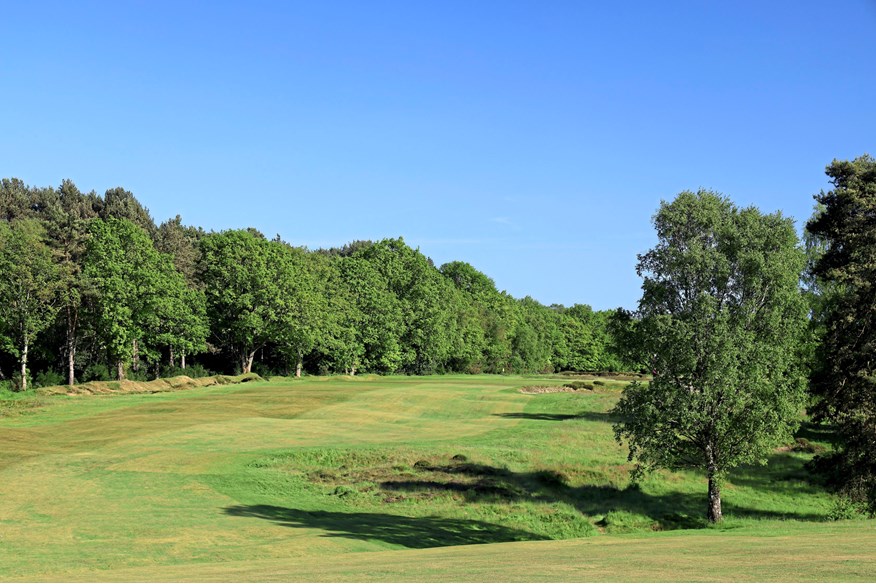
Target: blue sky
{"x":534,"y":140}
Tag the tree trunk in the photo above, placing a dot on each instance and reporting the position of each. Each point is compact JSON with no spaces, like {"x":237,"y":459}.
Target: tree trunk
{"x":247,"y":362}
{"x":714,"y":514}
{"x":71,"y":364}
{"x":121,"y":370}
{"x":24,"y":365}
{"x":171,"y":357}
{"x":72,"y":317}
{"x":182,"y":360}
{"x":298,"y":366}
{"x":135,"y":361}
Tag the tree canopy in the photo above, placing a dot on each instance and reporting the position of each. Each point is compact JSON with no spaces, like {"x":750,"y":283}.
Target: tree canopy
{"x":844,"y":229}
{"x":722,"y":316}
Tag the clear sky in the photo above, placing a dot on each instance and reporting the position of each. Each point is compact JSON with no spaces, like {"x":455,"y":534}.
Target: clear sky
{"x":533,"y":140}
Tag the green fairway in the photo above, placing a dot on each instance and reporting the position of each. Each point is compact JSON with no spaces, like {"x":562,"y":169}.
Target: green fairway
{"x":352,"y":479}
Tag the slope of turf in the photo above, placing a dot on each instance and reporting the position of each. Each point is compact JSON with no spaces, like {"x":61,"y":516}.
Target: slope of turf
{"x":375,"y":479}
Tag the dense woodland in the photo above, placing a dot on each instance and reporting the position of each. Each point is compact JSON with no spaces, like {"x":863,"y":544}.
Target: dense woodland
{"x":95,"y":290}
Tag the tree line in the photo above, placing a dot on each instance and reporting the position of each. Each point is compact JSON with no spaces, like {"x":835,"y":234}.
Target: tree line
{"x":741,"y":325}
{"x":94,"y":289}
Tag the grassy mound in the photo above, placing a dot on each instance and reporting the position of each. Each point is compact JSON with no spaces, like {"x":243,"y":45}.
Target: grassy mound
{"x":155,"y":386}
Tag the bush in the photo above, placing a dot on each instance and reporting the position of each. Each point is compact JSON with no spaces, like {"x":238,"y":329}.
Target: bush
{"x":16,"y":381}
{"x":804,"y":445}
{"x":97,"y":372}
{"x":264,"y":370}
{"x":845,"y":508}
{"x":194,"y":371}
{"x":48,"y":379}
{"x":142,"y":374}
{"x":576,"y":385}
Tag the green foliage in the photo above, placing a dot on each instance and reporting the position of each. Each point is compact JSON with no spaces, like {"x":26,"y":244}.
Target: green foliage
{"x":28,"y":290}
{"x":581,"y":384}
{"x":243,"y":292}
{"x":48,"y":378}
{"x":140,"y":302}
{"x":121,"y":204}
{"x":723,"y":315}
{"x":842,"y":235}
{"x":131,"y":295}
{"x":97,"y":372}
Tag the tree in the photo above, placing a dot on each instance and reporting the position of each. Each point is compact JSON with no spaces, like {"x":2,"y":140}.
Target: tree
{"x":121,"y":204}
{"x":374,"y":314}
{"x":496,"y":315}
{"x":28,"y":289}
{"x":15,"y":199}
{"x":302,"y":308}
{"x":338,"y":345}
{"x":844,"y":232}
{"x":722,"y":315}
{"x":243,"y":292}
{"x":66,"y":220}
{"x":178,"y":319}
{"x":181,"y":242}
{"x":139,"y":302}
{"x":420,"y":290}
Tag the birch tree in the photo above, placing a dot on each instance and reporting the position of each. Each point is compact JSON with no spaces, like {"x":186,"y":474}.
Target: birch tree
{"x":722,"y":316}
{"x":28,"y":288}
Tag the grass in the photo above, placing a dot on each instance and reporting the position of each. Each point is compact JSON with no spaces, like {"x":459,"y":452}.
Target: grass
{"x":396,"y":478}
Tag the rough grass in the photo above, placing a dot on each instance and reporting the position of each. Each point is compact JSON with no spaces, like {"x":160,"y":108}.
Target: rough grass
{"x":344,"y":479}
{"x":155,"y":386}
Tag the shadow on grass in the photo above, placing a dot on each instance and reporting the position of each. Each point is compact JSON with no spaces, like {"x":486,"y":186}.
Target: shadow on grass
{"x":817,"y":432}
{"x":424,"y":532}
{"x":783,"y":475}
{"x":541,"y":417}
{"x":484,"y":483}
{"x":589,"y":416}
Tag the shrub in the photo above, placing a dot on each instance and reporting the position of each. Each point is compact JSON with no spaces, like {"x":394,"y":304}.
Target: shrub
{"x":140,"y":374}
{"x":845,"y":508}
{"x":804,"y":445}
{"x":97,"y":372}
{"x":194,"y":371}
{"x":579,"y":385}
{"x":48,"y":379}
{"x":16,"y":381}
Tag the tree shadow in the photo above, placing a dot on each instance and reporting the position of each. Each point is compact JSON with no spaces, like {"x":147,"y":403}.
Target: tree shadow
{"x":546,"y":417}
{"x":542,"y":417}
{"x":605,"y":417}
{"x":478,"y":482}
{"x":410,"y":532}
{"x":783,"y":474}
{"x":817,"y":432}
